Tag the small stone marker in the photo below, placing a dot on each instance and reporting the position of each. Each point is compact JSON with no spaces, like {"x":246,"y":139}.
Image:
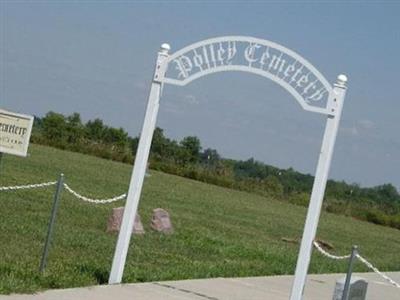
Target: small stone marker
{"x":161,"y":222}
{"x":358,"y":289}
{"x":115,"y":220}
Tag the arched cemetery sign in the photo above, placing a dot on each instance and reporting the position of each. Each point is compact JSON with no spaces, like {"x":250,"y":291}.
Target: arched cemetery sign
{"x":251,"y":55}
{"x":246,"y":54}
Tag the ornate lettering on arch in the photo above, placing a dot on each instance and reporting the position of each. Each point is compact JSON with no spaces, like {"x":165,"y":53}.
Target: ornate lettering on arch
{"x":253,"y":55}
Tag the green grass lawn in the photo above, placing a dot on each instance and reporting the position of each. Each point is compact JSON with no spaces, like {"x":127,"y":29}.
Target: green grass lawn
{"x":218,"y":232}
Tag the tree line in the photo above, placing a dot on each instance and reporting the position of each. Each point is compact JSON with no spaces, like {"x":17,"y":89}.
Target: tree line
{"x":187,"y":158}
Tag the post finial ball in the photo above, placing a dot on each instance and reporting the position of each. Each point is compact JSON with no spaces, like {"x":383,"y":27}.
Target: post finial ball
{"x":342,"y":79}
{"x":165,"y":48}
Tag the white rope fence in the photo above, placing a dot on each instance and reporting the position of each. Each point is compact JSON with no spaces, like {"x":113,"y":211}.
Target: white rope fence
{"x":331,"y":256}
{"x":97,"y":201}
{"x":362,"y":259}
{"x":67,"y":187}
{"x":370,"y":266}
{"x":28,"y":186}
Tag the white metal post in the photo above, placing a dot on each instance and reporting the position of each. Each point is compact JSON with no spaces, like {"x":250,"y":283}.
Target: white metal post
{"x":335,"y":105}
{"x":139,"y":169}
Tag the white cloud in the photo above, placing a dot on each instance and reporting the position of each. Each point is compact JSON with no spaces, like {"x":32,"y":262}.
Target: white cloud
{"x":141,"y":85}
{"x":361,"y":127}
{"x":351,"y":131}
{"x":191,"y":99}
{"x":366,"y":124}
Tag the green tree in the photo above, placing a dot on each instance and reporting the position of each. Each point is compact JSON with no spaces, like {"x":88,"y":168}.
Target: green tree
{"x":191,"y":145}
{"x":95,"y":130}
{"x":117,"y":137}
{"x":54,"y":129}
{"x":75,"y":130}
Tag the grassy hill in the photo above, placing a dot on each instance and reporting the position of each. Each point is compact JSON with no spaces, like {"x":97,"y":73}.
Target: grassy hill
{"x":218,"y":232}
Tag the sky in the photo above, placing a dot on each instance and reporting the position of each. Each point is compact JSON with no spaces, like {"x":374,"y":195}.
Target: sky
{"x":97,"y":58}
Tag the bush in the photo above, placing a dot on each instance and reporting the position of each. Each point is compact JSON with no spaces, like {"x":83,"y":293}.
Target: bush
{"x":394,"y":221}
{"x":377,"y":217}
{"x":335,"y":207}
{"x":301,"y":199}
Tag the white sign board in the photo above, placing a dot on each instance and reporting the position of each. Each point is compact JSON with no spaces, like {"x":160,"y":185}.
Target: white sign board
{"x":15,"y":132}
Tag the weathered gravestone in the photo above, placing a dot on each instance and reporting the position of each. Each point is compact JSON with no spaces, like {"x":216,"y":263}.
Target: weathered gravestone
{"x":114,"y":222}
{"x":161,"y":222}
{"x":358,"y":288}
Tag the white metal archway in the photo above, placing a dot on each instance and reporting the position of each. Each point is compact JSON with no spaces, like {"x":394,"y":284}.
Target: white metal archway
{"x":247,"y":54}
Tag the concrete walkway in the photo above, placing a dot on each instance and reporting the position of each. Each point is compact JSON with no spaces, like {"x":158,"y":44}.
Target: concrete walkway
{"x":319,"y":287}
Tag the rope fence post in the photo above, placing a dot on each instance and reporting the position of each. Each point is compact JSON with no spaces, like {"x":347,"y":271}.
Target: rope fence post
{"x":53,"y":215}
{"x":346,"y":290}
